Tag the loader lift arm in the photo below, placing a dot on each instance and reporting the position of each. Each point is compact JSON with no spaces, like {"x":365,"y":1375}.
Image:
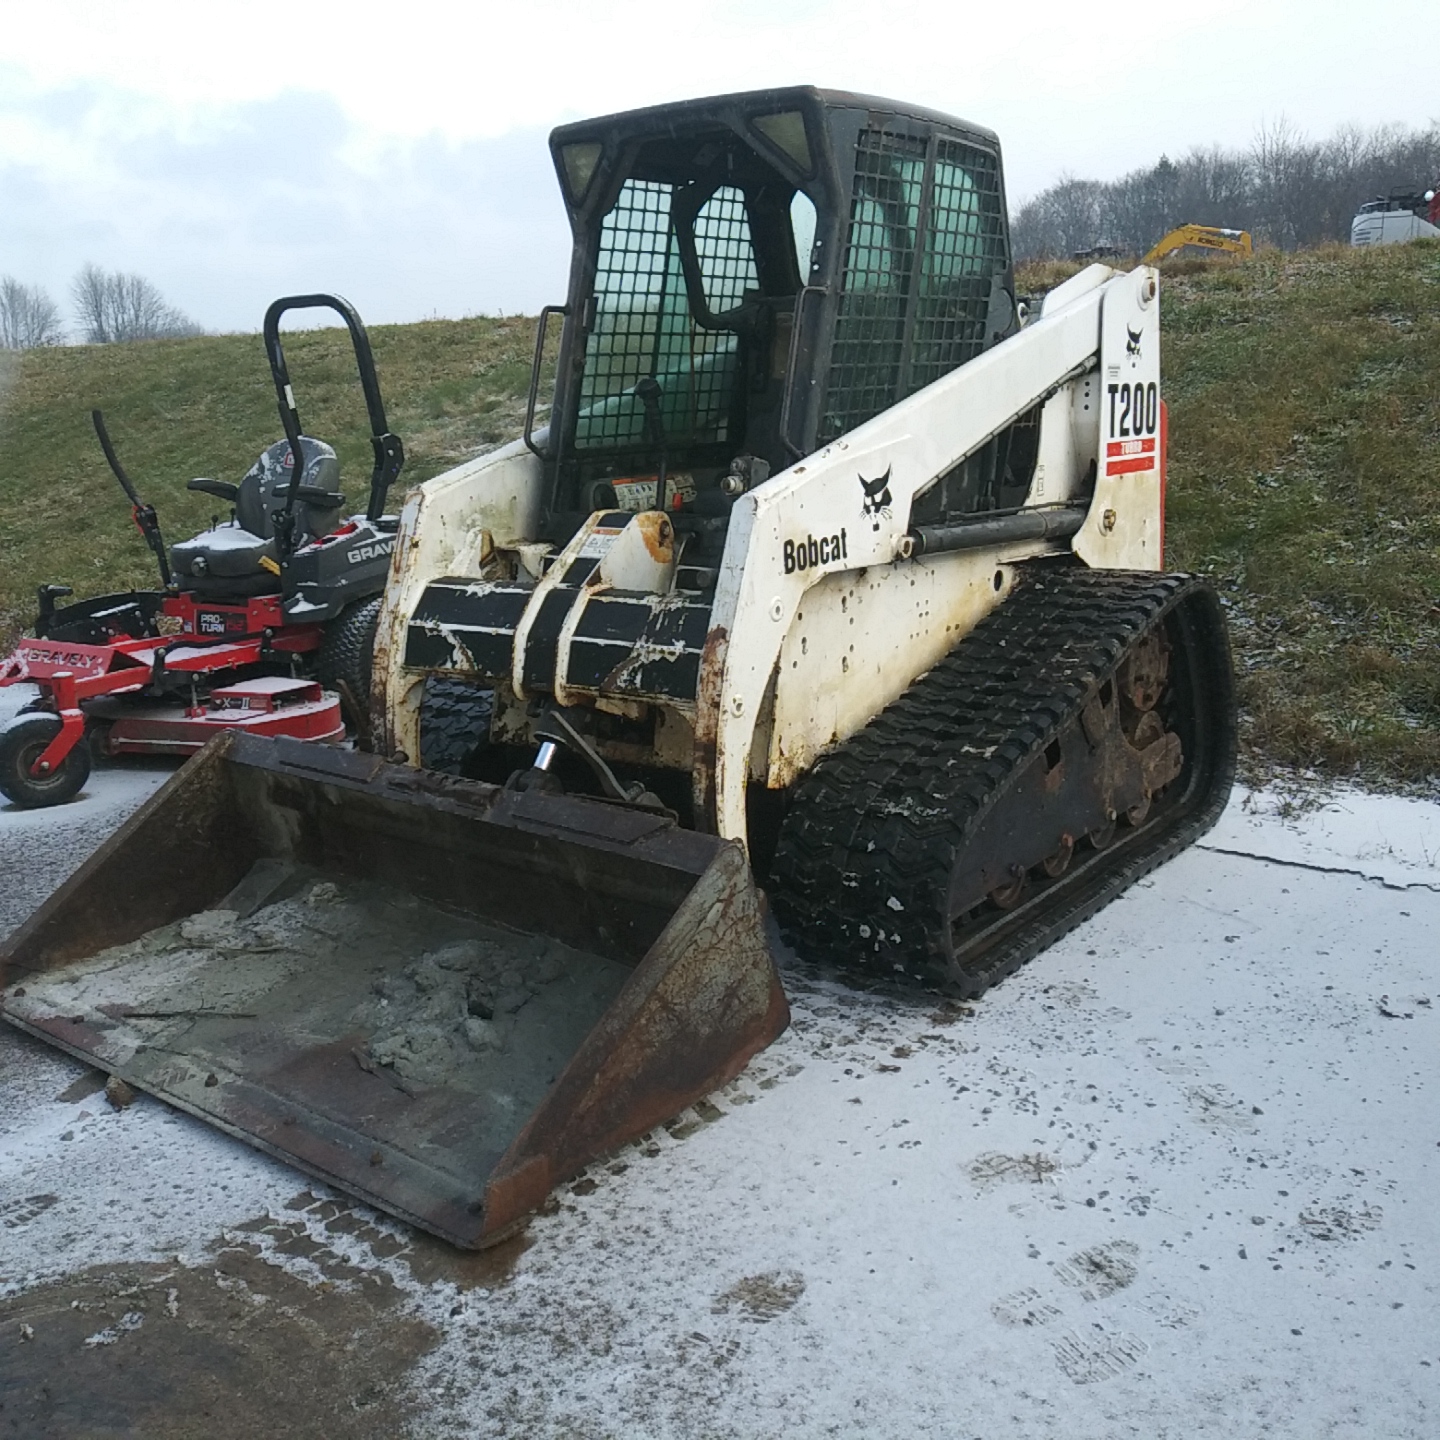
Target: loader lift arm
{"x":914,"y":443}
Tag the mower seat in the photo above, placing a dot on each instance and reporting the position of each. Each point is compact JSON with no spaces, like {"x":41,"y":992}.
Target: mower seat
{"x":260,"y":500}
{"x":226,"y":562}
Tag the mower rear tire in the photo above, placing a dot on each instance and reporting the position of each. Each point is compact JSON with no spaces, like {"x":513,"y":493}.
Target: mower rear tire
{"x":22,"y":742}
{"x":347,"y":653}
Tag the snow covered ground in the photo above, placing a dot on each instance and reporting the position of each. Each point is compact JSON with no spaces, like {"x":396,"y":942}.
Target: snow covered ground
{"x":1177,"y":1178}
{"x":39,"y":848}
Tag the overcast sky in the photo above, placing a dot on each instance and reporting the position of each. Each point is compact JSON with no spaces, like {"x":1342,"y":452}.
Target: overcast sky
{"x":396,"y":152}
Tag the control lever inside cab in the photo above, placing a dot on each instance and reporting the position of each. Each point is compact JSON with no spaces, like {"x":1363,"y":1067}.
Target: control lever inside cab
{"x":648,"y":392}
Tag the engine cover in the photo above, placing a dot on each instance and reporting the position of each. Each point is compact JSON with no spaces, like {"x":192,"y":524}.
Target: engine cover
{"x":588,"y":628}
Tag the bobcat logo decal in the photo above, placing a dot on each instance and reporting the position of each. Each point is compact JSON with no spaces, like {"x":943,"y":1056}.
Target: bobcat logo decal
{"x":877,"y":501}
{"x":1132,"y":345}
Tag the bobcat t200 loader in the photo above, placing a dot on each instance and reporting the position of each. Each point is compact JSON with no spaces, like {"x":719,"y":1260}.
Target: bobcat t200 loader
{"x":830,"y":569}
{"x":829,"y":546}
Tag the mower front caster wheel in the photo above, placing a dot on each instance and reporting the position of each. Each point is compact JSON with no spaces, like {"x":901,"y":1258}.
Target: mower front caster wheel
{"x":22,"y":742}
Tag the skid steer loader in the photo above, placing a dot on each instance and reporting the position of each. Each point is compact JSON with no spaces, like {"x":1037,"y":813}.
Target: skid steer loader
{"x":830,"y":568}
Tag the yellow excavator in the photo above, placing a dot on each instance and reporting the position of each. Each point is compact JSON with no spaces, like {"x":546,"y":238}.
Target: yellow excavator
{"x":834,"y":581}
{"x":1204,"y":237}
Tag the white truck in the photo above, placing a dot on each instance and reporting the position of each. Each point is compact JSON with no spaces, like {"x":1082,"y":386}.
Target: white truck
{"x":1395,"y":219}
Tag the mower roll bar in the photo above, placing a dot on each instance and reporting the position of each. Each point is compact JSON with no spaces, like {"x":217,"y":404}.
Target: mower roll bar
{"x":389,"y":452}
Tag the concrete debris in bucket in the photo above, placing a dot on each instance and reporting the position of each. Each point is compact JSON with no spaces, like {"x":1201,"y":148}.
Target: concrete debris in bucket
{"x":420,"y":995}
{"x":462,"y":997}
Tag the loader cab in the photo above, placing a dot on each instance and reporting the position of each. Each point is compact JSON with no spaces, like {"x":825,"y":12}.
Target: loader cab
{"x":753,"y":276}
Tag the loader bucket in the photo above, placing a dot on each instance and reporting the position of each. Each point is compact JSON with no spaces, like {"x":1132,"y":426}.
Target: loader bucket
{"x":440,"y":996}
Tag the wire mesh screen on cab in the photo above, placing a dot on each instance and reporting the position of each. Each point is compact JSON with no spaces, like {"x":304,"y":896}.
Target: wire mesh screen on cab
{"x":926,"y":236}
{"x":644,"y":326}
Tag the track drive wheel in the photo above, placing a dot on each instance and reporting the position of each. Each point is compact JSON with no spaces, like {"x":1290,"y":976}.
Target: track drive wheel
{"x":22,"y":742}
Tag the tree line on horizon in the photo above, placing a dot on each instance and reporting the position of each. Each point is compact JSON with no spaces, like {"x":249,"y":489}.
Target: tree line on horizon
{"x":110,"y":307}
{"x":1285,"y":189}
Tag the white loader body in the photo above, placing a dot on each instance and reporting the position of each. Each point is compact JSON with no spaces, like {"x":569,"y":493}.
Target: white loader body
{"x":823,"y":612}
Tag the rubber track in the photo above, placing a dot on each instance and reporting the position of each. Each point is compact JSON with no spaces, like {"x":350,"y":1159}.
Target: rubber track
{"x":862,"y":872}
{"x":454,"y":723}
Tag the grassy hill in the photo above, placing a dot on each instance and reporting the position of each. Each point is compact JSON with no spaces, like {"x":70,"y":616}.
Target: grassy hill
{"x":1305,"y":478}
{"x":1304,"y":396}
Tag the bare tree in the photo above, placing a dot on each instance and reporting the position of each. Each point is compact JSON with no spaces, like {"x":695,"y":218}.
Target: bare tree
{"x":1060,"y":220}
{"x":1142,"y":203}
{"x":28,"y":316}
{"x":113,"y":307}
{"x":1287,"y":170}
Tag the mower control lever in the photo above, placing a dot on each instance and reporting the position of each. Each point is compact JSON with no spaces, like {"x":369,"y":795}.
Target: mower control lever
{"x":146,"y":521}
{"x":220,"y":489}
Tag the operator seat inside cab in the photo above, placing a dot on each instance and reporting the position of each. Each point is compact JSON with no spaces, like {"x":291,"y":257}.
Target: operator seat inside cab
{"x":229,"y":561}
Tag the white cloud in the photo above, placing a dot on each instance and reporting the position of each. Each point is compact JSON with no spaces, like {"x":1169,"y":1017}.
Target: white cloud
{"x":250,"y":201}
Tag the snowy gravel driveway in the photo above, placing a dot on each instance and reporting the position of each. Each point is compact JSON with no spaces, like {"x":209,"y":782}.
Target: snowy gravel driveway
{"x":1177,"y":1178}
